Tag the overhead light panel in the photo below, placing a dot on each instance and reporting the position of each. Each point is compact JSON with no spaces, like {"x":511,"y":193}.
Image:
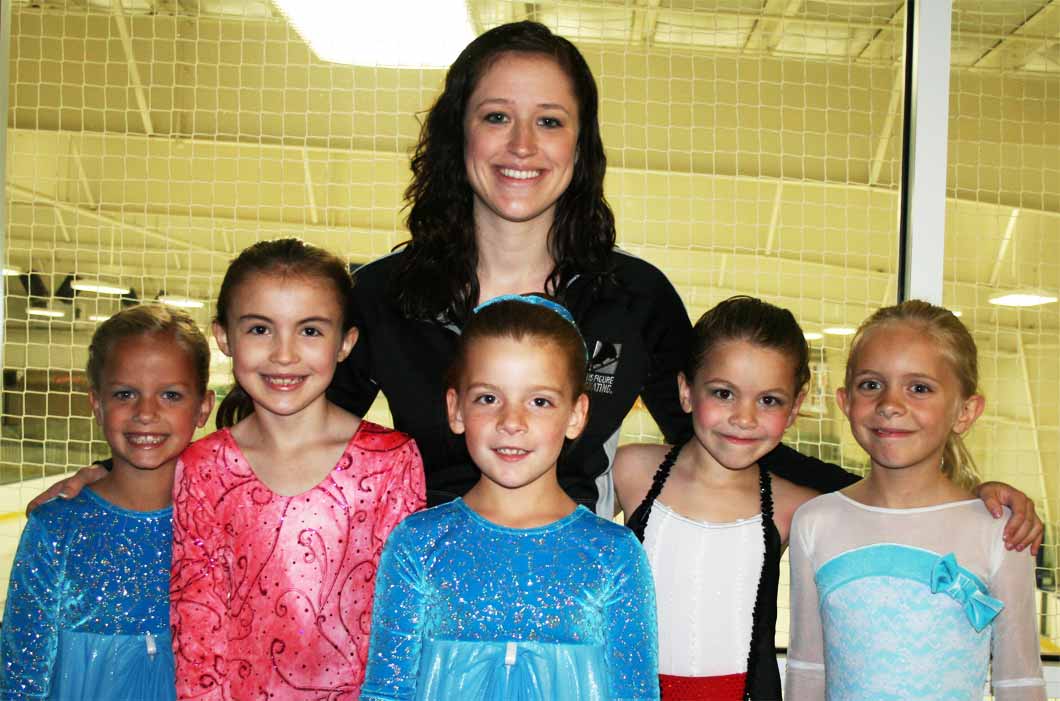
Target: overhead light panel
{"x":98,"y":317}
{"x":182,"y":302}
{"x":53,"y":313}
{"x":98,"y":287}
{"x":395,"y":33}
{"x":813,"y":335}
{"x":1022,"y":299}
{"x":8,"y":272}
{"x":840,"y":331}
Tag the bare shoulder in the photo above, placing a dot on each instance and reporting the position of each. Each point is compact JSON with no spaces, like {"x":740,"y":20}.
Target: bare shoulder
{"x":635,"y":465}
{"x":787,"y":498}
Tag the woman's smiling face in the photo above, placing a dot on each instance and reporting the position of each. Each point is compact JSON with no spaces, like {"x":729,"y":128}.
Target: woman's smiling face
{"x":520,"y":138}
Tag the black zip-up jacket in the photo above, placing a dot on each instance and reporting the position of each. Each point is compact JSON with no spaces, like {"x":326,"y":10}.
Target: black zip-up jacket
{"x":637,"y":332}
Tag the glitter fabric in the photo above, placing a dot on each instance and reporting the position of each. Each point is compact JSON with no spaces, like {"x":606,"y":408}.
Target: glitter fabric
{"x":469,"y":609}
{"x":87,"y":612}
{"x":272,"y":595}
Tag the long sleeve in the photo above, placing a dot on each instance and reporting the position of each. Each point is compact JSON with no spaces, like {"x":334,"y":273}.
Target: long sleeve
{"x":352,"y":387}
{"x":807,"y":471}
{"x":198,"y":591}
{"x":667,"y":338}
{"x":397,"y":617}
{"x":632,"y":638}
{"x":1016,"y":669}
{"x":31,"y":617}
{"x":805,"y":664}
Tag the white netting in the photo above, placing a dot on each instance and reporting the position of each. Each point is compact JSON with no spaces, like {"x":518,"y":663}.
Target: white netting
{"x":754,"y":147}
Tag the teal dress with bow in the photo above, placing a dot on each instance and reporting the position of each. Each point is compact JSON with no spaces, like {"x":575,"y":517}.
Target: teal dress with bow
{"x":903,"y":604}
{"x":468,"y":609}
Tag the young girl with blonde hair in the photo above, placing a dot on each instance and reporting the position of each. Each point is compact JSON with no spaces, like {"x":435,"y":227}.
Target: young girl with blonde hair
{"x":901,"y":585}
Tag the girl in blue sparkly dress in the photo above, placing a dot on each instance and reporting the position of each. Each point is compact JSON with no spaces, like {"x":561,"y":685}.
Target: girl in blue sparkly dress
{"x":514,"y":591}
{"x":87,"y":612}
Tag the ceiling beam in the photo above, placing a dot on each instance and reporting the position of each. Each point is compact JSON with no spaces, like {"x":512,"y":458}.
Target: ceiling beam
{"x":873,"y":49}
{"x":1002,"y":250}
{"x":134,"y":70}
{"x":311,"y":197}
{"x":645,"y":22}
{"x":888,"y":127}
{"x":768,"y":29}
{"x":1014,"y":51}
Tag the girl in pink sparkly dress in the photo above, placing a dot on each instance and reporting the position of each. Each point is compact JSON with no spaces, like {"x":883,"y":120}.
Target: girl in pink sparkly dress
{"x":280,"y":516}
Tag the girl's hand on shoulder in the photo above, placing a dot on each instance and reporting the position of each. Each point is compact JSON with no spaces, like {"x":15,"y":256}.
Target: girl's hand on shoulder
{"x":634,"y":467}
{"x":70,"y":487}
{"x":1024,"y":528}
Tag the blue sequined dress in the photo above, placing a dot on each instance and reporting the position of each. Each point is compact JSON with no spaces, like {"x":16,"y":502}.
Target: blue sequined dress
{"x":87,"y":613}
{"x":467,"y":609}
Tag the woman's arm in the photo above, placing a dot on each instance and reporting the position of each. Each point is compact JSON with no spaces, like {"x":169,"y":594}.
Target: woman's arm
{"x":1016,"y":672}
{"x":31,"y":618}
{"x":632,"y":631}
{"x":397,"y":617}
{"x":805,"y":665}
{"x":352,"y":387}
{"x":667,"y":338}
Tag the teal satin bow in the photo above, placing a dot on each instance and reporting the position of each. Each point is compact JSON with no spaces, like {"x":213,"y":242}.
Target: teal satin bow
{"x":949,"y":578}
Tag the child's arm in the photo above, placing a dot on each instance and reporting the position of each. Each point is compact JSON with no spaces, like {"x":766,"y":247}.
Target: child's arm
{"x":805,"y":666}
{"x":632,"y":631}
{"x":635,"y":465}
{"x":197,"y":591}
{"x":397,"y":617}
{"x":1016,"y":672}
{"x":31,"y":618}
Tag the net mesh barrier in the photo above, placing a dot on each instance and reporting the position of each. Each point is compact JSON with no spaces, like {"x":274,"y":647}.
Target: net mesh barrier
{"x":754,"y":147}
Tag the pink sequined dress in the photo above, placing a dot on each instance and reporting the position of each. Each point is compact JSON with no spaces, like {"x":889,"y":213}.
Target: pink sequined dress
{"x":272,"y":595}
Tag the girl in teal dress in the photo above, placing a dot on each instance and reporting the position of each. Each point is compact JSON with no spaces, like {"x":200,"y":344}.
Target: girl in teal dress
{"x":87,"y":613}
{"x":514,"y":592}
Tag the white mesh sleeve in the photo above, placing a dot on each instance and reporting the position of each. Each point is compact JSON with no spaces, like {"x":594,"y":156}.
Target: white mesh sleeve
{"x":805,"y":668}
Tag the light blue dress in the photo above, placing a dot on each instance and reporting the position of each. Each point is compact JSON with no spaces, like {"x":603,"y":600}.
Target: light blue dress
{"x":467,"y":609}
{"x":909,"y":605}
{"x":87,"y":613}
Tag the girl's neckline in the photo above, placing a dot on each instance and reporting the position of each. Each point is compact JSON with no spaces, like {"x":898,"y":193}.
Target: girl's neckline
{"x":578,"y":512}
{"x":757,"y":518}
{"x":91,"y":495}
{"x":910,"y":510}
{"x":230,"y":439}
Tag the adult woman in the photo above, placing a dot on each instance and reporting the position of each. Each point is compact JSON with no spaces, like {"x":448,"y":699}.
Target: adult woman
{"x":507,"y":197}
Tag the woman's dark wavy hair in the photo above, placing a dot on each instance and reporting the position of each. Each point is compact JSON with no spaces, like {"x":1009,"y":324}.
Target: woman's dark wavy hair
{"x":762,"y":324}
{"x":279,"y":257}
{"x":437,"y":275}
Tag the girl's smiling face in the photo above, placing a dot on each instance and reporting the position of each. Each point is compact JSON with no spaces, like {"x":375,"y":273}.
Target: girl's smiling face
{"x":515,"y":406}
{"x":284,"y":335}
{"x":904,"y":398}
{"x":148,"y":402}
{"x":742,"y":399}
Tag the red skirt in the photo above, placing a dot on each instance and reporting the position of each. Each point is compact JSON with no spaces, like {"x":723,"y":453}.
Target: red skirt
{"x":724,"y":688}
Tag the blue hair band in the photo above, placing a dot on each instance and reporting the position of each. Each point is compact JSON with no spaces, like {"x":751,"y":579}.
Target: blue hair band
{"x":530,"y":299}
{"x":537,"y":301}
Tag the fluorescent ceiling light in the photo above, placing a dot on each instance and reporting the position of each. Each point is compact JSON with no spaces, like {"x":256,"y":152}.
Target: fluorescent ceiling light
{"x":98,"y":317}
{"x":99,"y":287}
{"x":11,"y":271}
{"x":840,"y":331}
{"x":182,"y":302}
{"x":54,"y":313}
{"x":1021,"y":300}
{"x":813,"y":336}
{"x":957,"y":312}
{"x":399,"y":33}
